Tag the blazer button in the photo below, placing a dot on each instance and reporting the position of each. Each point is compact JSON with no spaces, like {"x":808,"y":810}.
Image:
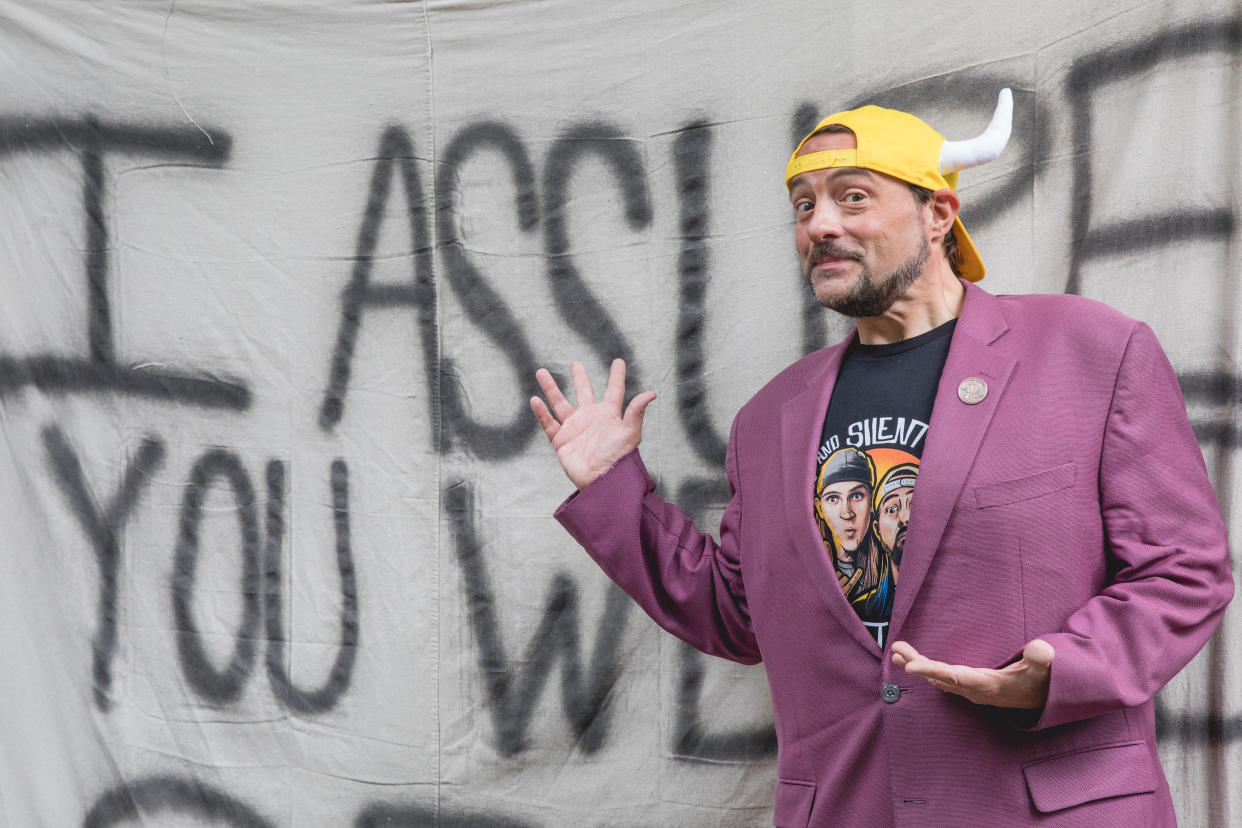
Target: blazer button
{"x":890,"y":693}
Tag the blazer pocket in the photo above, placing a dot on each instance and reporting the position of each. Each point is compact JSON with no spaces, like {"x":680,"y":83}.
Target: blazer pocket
{"x":1024,"y":488}
{"x":793,"y":803}
{"x":1071,"y":779}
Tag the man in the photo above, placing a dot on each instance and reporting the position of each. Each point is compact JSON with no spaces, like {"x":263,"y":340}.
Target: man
{"x":892,"y":510}
{"x":843,"y":511}
{"x":843,"y":501}
{"x":1050,"y":636}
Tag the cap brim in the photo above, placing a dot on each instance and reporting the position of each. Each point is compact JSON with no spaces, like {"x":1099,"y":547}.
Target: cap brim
{"x":972,"y":263}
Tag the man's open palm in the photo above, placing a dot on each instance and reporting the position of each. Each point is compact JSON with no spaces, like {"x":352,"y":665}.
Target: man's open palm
{"x":590,"y":438}
{"x":1022,"y":684}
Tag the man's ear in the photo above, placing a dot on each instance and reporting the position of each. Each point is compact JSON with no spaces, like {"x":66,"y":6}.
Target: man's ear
{"x":943,"y":207}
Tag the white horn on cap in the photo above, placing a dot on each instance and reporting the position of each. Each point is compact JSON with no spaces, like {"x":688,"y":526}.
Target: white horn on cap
{"x":962,"y":155}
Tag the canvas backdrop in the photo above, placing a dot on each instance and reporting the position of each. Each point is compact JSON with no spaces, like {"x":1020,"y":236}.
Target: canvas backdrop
{"x":276,"y":544}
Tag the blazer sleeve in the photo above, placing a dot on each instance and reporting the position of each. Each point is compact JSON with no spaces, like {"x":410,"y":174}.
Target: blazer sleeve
{"x":1166,"y":543}
{"x":687,"y":582}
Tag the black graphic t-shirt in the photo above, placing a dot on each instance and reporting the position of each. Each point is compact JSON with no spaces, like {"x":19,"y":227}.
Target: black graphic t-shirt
{"x":868,"y":464}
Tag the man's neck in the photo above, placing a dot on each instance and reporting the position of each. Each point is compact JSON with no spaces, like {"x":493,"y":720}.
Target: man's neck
{"x":935,"y":298}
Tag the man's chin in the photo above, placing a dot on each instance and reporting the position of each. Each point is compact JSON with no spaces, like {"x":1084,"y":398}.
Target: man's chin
{"x":849,"y":303}
{"x":834,"y":290}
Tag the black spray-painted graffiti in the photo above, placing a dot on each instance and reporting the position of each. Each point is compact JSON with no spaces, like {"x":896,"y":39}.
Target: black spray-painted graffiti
{"x":396,"y":152}
{"x":1083,"y":85}
{"x":152,"y":797}
{"x":156,"y":795}
{"x":218,"y":686}
{"x":326,"y":695}
{"x":260,"y":585}
{"x":513,"y":685}
{"x":99,"y":371}
{"x":512,"y":696}
{"x":691,"y":154}
{"x":103,"y":529}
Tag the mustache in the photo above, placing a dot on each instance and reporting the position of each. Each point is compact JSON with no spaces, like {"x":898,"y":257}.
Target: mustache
{"x":899,"y":539}
{"x":832,"y":250}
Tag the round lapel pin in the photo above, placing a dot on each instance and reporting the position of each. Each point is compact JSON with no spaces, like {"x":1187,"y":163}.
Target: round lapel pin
{"x":972,"y":390}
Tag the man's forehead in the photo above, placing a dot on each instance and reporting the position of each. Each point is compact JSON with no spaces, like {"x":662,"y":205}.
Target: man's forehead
{"x":845,"y":486}
{"x":822,"y":141}
{"x":832,"y":174}
{"x":897,"y":492}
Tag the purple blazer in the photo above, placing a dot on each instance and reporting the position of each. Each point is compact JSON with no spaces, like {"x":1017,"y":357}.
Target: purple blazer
{"x":1070,"y":504}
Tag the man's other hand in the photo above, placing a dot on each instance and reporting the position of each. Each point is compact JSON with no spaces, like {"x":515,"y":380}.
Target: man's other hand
{"x":590,"y":438}
{"x":1022,"y":684}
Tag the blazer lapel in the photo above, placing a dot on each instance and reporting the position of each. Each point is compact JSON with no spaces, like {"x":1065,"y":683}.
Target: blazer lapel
{"x":802,"y":421}
{"x":955,"y":432}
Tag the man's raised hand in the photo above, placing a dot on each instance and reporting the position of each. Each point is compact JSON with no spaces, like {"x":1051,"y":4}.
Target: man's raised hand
{"x":590,"y":438}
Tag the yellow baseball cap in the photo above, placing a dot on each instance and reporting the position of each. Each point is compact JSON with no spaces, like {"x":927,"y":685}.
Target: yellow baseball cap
{"x":904,"y":147}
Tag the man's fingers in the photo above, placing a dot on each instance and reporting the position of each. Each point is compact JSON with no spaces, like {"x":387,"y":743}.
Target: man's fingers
{"x":934,"y":671}
{"x":638,"y":407}
{"x":583,"y":393}
{"x":917,"y":664}
{"x":1039,"y":654}
{"x":903,"y":653}
{"x":615,"y":392}
{"x":560,"y":406}
{"x":546,"y":421}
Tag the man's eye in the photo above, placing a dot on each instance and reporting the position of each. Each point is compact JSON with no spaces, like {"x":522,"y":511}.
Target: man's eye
{"x":803,"y":207}
{"x":854,"y":197}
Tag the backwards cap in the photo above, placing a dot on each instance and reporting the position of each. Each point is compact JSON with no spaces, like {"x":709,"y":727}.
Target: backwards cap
{"x":899,"y":144}
{"x":847,"y":465}
{"x":901,"y":476}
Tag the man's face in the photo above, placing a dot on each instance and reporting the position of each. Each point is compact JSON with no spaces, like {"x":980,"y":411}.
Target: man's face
{"x":894,"y":516}
{"x":847,"y":508}
{"x":861,"y":236}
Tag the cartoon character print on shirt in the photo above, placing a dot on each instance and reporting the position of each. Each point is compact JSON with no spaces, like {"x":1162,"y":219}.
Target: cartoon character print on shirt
{"x":862,"y":506}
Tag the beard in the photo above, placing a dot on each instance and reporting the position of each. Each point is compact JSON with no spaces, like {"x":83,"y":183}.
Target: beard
{"x":899,"y":546}
{"x":869,"y":296}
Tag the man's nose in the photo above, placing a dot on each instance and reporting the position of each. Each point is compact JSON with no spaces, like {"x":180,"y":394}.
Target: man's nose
{"x":826,"y":222}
